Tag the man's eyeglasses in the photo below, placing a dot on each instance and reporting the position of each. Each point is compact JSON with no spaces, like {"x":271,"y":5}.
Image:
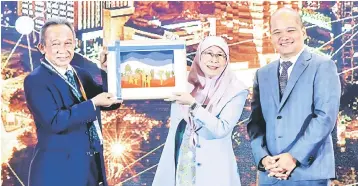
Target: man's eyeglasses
{"x":219,"y":56}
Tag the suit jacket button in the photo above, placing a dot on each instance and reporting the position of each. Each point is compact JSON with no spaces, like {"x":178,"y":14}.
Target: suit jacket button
{"x":198,"y":146}
{"x":311,"y":158}
{"x":279,"y":117}
{"x":86,"y":132}
{"x":198,"y":164}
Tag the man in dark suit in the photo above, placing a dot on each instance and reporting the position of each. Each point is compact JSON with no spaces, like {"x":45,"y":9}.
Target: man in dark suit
{"x":294,"y":110}
{"x":64,"y":101}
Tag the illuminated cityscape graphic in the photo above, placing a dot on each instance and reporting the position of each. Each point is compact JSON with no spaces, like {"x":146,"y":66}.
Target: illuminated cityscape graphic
{"x":135,"y":134}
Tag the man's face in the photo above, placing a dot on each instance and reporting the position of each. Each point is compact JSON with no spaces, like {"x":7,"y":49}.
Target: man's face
{"x":59,"y":45}
{"x":287,"y":35}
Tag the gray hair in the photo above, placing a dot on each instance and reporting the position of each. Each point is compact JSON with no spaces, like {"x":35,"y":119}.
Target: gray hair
{"x":54,"y":21}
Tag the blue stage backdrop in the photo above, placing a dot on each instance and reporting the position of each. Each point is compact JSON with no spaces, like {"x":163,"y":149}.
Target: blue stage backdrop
{"x":134,"y":134}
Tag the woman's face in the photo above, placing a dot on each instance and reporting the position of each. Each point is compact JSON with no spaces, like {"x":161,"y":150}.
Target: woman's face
{"x":212,"y":61}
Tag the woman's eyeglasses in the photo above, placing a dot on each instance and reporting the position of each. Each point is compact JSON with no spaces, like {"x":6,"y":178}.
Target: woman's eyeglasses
{"x":219,"y":56}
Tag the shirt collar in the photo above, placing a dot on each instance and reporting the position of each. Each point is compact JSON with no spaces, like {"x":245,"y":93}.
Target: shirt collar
{"x":293,"y":59}
{"x":60,"y":70}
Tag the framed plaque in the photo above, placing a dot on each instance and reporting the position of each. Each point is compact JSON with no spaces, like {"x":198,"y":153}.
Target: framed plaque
{"x":146,"y":69}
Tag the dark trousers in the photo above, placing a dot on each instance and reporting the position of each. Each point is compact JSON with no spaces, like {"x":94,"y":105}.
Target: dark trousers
{"x":96,"y":177}
{"x":300,"y":183}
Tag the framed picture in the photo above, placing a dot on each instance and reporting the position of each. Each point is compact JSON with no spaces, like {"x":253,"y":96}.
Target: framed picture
{"x":151,"y":69}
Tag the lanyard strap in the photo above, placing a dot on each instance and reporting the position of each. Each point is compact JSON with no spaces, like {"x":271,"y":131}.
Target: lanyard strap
{"x":83,"y":93}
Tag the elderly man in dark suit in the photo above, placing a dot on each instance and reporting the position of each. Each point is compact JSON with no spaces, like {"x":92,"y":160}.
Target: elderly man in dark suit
{"x":64,"y":101}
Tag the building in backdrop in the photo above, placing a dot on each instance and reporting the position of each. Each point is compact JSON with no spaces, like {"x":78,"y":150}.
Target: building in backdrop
{"x":86,"y":17}
{"x":244,"y":25}
{"x":350,"y":49}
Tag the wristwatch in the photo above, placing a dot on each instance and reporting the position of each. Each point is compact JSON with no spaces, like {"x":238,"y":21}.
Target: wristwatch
{"x":261,"y":167}
{"x":193,"y":108}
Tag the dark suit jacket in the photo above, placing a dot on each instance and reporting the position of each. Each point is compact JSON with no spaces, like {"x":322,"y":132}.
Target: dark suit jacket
{"x":60,"y":156}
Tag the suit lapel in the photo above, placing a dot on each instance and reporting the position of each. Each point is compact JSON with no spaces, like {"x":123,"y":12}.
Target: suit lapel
{"x":300,"y":65}
{"x":61,"y":84}
{"x":81,"y":78}
{"x":273,"y":80}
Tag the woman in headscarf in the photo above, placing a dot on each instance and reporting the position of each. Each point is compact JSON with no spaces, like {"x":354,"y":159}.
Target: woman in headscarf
{"x":198,"y":150}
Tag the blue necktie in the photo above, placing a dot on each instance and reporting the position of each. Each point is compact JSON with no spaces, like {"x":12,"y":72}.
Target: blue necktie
{"x":92,"y":129}
{"x":284,"y":76}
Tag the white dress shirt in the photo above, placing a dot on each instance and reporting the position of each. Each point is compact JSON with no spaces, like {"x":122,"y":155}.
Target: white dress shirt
{"x":293,"y":60}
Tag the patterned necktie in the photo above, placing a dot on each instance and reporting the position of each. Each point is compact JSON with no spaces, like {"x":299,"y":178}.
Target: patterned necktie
{"x":92,"y":129}
{"x":284,"y":76}
{"x":71,"y":79}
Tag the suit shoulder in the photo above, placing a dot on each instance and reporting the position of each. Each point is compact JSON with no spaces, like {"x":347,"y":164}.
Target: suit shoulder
{"x":40,"y":75}
{"x":273,"y":63}
{"x":322,"y":63}
{"x":79,"y":69}
{"x":266,"y":67}
{"x":37,"y":74}
{"x":319,"y":59}
{"x":82,"y":71}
